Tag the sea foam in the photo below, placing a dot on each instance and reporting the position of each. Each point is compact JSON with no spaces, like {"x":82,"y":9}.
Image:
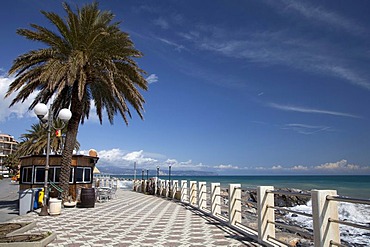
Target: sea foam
{"x":355,"y":213}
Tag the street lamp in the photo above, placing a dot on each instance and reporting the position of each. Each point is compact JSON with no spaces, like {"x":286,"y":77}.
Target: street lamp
{"x":157,"y":179}
{"x":147,"y":174}
{"x":46,"y":117}
{"x":169,"y":179}
{"x":142,"y":174}
{"x":134,"y":171}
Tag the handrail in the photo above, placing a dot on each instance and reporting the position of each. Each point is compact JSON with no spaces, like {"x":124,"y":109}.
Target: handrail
{"x":59,"y":189}
{"x":294,"y":228}
{"x":290,"y":211}
{"x":349,"y":224}
{"x":337,"y":244}
{"x":266,"y":217}
{"x":348,"y":199}
{"x":289,"y":193}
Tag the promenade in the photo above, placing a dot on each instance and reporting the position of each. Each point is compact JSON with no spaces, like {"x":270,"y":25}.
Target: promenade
{"x":135,"y":219}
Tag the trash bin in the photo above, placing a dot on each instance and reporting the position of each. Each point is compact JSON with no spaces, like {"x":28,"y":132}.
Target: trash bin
{"x":26,"y":199}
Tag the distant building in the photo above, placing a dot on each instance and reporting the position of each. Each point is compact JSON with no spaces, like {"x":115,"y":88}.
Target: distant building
{"x":8,"y":145}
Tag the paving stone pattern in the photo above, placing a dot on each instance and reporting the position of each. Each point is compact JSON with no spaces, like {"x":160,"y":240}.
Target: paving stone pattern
{"x":135,"y":219}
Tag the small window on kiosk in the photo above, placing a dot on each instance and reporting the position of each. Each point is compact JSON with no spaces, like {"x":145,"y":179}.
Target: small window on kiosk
{"x":27,"y":174}
{"x":39,"y":175}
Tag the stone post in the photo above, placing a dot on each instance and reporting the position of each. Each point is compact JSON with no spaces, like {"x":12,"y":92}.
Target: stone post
{"x":322,"y":211}
{"x":174,"y":188}
{"x":193,"y":193}
{"x":265,"y":214}
{"x":184,"y":191}
{"x":155,"y":186}
{"x":167,"y":186}
{"x":235,"y":204}
{"x":215,"y":199}
{"x":202,"y":197}
{"x":161,"y":187}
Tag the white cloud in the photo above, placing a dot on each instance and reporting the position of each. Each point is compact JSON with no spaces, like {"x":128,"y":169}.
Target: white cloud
{"x":342,"y":164}
{"x":226,"y":167}
{"x":305,"y":128}
{"x":161,"y":23}
{"x":310,"y":110}
{"x":300,"y":167}
{"x":279,"y":167}
{"x":170,"y":43}
{"x":320,"y":15}
{"x":19,"y":110}
{"x":152,"y":78}
{"x":281,"y":48}
{"x":121,"y":158}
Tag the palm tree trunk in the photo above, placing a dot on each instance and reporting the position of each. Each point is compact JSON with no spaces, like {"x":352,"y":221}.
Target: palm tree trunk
{"x":70,"y":141}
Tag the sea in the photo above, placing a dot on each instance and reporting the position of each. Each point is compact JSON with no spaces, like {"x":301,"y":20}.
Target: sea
{"x":346,"y":185}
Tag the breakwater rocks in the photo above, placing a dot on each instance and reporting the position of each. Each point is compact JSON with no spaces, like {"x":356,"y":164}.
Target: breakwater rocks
{"x":249,"y":213}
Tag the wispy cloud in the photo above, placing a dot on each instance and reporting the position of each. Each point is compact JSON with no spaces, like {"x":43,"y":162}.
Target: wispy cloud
{"x":319,"y":15}
{"x":152,"y":78}
{"x":161,"y":23}
{"x":306,"y":129}
{"x":178,"y":47}
{"x":310,"y":110}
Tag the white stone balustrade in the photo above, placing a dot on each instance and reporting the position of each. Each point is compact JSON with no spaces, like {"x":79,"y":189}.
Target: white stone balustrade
{"x":195,"y":195}
{"x":322,"y":210}
{"x":216,"y":199}
{"x":184,"y":191}
{"x":235,"y":205}
{"x":202,"y":195}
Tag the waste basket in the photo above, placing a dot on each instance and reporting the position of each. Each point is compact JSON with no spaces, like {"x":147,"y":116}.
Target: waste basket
{"x":26,"y":199}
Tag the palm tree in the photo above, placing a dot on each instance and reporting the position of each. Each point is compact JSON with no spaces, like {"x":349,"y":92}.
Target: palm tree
{"x":87,"y":58}
{"x":35,"y":141}
{"x":12,"y":161}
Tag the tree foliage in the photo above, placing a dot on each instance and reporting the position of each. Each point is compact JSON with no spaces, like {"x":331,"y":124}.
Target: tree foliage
{"x":87,"y":59}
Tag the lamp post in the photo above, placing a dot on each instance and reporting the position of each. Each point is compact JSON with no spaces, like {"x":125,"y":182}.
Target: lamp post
{"x":169,"y":180}
{"x":142,"y":174}
{"x":134,"y":171}
{"x":147,"y":174}
{"x":46,"y":117}
{"x":157,"y":179}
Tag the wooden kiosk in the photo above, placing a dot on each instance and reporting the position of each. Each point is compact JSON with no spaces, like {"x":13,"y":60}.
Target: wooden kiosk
{"x":32,"y":173}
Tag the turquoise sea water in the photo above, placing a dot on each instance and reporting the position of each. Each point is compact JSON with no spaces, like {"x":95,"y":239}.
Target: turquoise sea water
{"x":351,"y":186}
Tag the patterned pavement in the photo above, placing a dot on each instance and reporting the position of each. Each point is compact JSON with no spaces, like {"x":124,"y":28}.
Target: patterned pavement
{"x":135,"y":219}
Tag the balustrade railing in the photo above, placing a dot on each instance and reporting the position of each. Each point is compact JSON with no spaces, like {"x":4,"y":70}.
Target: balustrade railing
{"x":325,"y":231}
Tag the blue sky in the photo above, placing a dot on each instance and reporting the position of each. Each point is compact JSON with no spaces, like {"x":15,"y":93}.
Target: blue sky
{"x":236,"y":87}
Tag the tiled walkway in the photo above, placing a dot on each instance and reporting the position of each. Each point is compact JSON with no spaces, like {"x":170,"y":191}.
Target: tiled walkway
{"x":135,"y":219}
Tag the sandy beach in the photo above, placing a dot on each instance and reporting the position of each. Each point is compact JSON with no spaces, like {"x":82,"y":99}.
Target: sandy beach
{"x":8,"y":200}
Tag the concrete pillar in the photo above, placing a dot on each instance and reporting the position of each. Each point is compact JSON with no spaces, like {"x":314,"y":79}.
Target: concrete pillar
{"x":265,"y":213}
{"x":202,"y":196}
{"x":155,"y":186}
{"x":322,"y":210}
{"x":235,"y":204}
{"x":161,"y":187}
{"x":184,"y":191}
{"x":216,"y":199}
{"x":193,"y":193}
{"x":167,"y":185}
{"x":175,"y":188}
{"x":143,"y":186}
